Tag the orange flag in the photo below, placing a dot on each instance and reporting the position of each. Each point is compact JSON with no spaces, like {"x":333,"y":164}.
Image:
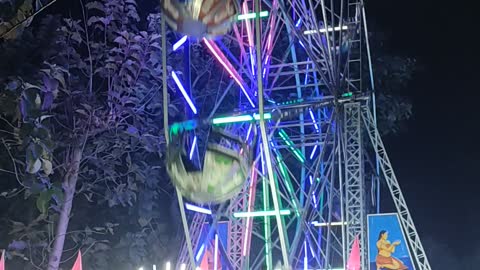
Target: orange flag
{"x":2,"y":260}
{"x":78,"y":262}
{"x":354,"y":259}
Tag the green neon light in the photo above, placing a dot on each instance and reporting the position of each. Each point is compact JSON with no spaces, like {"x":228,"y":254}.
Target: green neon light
{"x":288,"y":182}
{"x":290,"y":102}
{"x":289,"y":142}
{"x":348,"y":94}
{"x":266,"y":224}
{"x":177,"y":128}
{"x":251,"y":15}
{"x":284,"y":212}
{"x":240,"y":118}
{"x":266,"y":116}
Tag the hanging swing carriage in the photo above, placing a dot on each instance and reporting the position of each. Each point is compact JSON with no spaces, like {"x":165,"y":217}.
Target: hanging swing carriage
{"x":225,"y":167}
{"x":200,"y":18}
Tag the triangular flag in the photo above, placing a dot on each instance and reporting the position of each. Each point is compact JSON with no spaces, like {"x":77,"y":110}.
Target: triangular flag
{"x":2,"y":260}
{"x":354,"y":259}
{"x":78,"y":262}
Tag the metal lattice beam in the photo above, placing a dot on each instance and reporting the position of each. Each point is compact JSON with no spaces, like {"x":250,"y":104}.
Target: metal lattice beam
{"x":354,"y":178}
{"x":391,"y":179}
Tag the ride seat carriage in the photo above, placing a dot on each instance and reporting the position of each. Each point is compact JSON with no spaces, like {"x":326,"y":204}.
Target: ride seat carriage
{"x":200,"y":18}
{"x":225,"y":169}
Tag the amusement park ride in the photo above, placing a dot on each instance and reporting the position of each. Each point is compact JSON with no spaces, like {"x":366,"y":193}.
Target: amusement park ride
{"x":288,"y":176}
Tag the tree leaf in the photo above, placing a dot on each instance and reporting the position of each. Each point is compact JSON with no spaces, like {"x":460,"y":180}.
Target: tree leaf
{"x":43,"y":117}
{"x":120,"y":40}
{"x":33,"y":166}
{"x":143,"y":221}
{"x":43,"y":201}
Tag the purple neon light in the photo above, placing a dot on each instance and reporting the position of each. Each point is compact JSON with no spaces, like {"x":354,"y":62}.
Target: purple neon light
{"x":305,"y":258}
{"x":194,"y":144}
{"x":311,"y":251}
{"x":215,"y":256}
{"x":228,"y":67}
{"x":179,"y":43}
{"x":265,"y":66}
{"x":301,"y":43}
{"x":184,"y":93}
{"x":298,"y":22}
{"x":250,"y":38}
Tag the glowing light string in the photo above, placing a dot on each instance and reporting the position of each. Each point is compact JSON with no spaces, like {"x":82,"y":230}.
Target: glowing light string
{"x":228,"y":67}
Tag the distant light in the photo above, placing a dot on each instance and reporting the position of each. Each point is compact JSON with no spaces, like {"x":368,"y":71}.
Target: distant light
{"x":141,"y":268}
{"x":183,"y":266}
{"x":167,"y":266}
{"x":329,"y":29}
{"x":179,"y":43}
{"x":154,"y":267}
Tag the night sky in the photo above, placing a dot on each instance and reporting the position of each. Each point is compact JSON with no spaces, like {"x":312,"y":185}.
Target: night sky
{"x":436,"y":159}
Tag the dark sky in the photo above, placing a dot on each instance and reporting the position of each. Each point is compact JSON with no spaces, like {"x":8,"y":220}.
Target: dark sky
{"x":437,"y":159}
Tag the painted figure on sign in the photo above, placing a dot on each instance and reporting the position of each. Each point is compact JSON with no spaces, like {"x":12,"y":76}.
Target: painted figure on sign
{"x":384,"y":259}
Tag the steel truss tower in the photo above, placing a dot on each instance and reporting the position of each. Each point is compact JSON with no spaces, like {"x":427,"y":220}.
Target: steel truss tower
{"x":303,"y":63}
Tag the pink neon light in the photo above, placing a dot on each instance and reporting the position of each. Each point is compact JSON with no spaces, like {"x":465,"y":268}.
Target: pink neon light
{"x":270,"y":36}
{"x":249,"y":37}
{"x":228,"y":67}
{"x":251,"y":195}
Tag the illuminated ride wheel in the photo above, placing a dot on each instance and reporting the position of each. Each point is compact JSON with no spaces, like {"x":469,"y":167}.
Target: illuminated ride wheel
{"x":200,"y":18}
{"x":292,"y":205}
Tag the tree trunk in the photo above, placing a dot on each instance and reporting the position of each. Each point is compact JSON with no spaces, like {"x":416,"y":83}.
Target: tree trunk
{"x":69,"y":183}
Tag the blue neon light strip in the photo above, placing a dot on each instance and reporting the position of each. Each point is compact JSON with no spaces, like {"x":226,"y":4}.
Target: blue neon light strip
{"x":179,"y":43}
{"x":194,"y":144}
{"x":313,"y":151}
{"x":184,"y":93}
{"x":198,"y":209}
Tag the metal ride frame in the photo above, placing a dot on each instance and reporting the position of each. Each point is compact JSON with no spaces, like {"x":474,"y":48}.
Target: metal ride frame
{"x":315,"y":160}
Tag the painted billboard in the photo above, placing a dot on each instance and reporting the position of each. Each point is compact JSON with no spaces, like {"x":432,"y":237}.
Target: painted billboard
{"x":387,"y":246}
